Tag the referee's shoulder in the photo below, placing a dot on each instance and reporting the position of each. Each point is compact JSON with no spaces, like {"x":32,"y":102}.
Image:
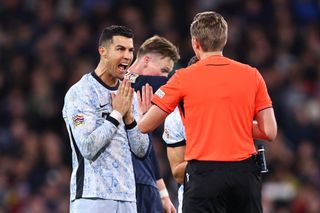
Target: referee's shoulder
{"x":243,"y":66}
{"x":186,"y":69}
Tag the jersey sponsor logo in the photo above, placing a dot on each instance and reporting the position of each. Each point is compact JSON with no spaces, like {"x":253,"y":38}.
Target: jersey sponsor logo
{"x":78,"y":120}
{"x":160,"y":93}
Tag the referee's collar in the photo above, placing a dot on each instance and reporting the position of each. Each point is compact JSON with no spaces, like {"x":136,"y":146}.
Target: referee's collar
{"x":215,"y":60}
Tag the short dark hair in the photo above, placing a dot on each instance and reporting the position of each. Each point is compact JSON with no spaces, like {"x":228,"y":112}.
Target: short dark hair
{"x":211,"y":30}
{"x":114,"y":30}
{"x":160,"y":45}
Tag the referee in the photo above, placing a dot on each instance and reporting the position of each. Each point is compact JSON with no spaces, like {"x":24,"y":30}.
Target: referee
{"x":225,"y":105}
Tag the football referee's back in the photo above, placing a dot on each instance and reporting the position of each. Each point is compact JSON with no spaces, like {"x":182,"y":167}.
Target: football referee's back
{"x":218,"y":113}
{"x":224,"y":106}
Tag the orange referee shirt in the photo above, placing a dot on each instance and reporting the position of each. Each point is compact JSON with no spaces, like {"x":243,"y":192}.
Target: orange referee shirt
{"x":220,"y":98}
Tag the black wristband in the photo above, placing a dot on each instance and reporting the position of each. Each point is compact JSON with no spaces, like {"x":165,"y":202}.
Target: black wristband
{"x":180,"y":143}
{"x":112,"y":120}
{"x":132,"y":125}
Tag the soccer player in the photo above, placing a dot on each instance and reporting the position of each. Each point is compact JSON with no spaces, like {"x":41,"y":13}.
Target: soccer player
{"x":175,"y":139}
{"x":220,"y":98}
{"x":100,"y":113}
{"x":155,"y":59}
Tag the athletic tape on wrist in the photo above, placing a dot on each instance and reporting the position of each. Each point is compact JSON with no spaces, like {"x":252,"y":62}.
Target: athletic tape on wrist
{"x":116,"y":115}
{"x":164,"y":193}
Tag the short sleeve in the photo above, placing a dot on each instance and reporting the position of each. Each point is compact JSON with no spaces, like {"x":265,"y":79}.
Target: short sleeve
{"x":174,"y":134}
{"x":262,"y":100}
{"x":169,"y":95}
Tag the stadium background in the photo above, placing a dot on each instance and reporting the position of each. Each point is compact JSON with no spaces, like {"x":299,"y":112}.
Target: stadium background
{"x":46,"y":46}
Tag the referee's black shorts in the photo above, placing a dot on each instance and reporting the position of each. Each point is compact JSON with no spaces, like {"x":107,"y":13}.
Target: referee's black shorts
{"x":222,"y":187}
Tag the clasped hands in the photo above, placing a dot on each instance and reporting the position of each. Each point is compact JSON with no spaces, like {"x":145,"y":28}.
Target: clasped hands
{"x":122,"y":100}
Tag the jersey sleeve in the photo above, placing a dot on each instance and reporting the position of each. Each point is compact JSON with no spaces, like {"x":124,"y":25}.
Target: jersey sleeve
{"x":90,"y":133}
{"x":138,"y":141}
{"x":262,"y":100}
{"x":174,"y":134}
{"x":168,"y":96}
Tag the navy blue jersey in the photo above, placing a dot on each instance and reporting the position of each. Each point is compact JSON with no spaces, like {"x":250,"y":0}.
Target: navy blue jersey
{"x":146,"y":170}
{"x":148,"y":199}
{"x":154,"y":81}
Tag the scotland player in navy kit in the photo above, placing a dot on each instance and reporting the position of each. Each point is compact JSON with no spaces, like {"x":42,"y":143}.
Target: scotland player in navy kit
{"x":155,"y":59}
{"x":100,"y":114}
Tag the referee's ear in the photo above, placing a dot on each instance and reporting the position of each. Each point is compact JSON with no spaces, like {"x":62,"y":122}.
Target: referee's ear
{"x":195,"y":44}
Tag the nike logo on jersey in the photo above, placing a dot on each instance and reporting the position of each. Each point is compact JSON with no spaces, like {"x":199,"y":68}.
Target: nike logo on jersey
{"x":103,"y":105}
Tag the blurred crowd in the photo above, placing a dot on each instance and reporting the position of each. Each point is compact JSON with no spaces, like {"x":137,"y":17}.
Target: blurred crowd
{"x":47,"y":45}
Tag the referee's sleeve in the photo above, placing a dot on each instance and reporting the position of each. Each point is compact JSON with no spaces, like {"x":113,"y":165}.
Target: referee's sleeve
{"x":169,"y":95}
{"x":262,"y":100}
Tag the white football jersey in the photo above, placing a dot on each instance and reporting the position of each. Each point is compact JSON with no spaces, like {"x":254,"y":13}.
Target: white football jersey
{"x":174,"y":133}
{"x":101,"y":146}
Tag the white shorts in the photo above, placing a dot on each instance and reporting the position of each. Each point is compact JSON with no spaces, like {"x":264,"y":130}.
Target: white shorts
{"x":83,"y":205}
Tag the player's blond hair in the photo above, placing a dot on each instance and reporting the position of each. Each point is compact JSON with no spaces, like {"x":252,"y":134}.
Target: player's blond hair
{"x":160,"y":45}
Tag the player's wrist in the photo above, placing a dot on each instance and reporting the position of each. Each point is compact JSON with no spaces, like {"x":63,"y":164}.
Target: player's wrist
{"x":128,"y":118}
{"x":164,"y":193}
{"x":116,"y":115}
{"x":131,"y":125}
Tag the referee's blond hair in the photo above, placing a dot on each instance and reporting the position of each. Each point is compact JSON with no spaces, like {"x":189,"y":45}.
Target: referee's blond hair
{"x":211,"y":30}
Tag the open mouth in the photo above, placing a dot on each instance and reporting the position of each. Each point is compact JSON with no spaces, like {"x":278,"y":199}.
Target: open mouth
{"x":123,"y":67}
